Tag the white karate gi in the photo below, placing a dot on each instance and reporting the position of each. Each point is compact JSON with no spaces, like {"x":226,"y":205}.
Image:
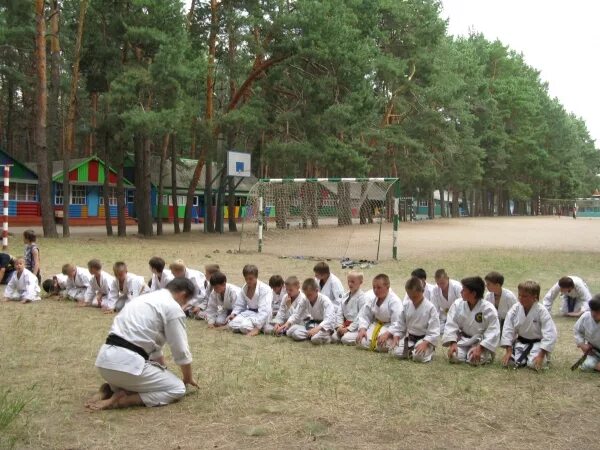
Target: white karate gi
{"x":277,"y":298}
{"x":78,"y":285}
{"x":23,"y":287}
{"x":580,"y":295}
{"x":160,"y":283}
{"x":100,"y":289}
{"x":287,"y":308}
{"x":370,"y":315}
{"x":151,"y":321}
{"x":332,"y":288}
{"x":414,"y":326}
{"x":443,"y":304}
{"x":133,"y":287}
{"x":481,"y":323}
{"x":507,"y":300}
{"x":322,"y":311}
{"x":200,"y":283}
{"x":535,"y":325}
{"x":61,"y":279}
{"x":427,"y":292}
{"x":348,"y":311}
{"x":251,"y":313}
{"x":587,"y":331}
{"x":221,"y":306}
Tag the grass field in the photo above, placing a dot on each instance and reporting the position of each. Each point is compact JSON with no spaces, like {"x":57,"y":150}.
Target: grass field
{"x":272,"y":393}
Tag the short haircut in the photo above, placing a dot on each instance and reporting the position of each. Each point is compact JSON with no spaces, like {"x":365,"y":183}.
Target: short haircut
{"x":475,"y":285}
{"x":310,"y":284}
{"x":292,"y":281}
{"x":94,"y":264}
{"x":530,"y":287}
{"x":19,"y":258}
{"x":383,"y":277}
{"x":566,"y":283}
{"x":276,"y":281}
{"x":440,"y":273}
{"x":322,"y":268}
{"x":66,"y":268}
{"x":217,"y":279}
{"x":181,"y":284}
{"x":118,"y":266}
{"x":48,"y":286}
{"x":157,"y":263}
{"x":495,"y":277}
{"x":212,"y":268}
{"x":419,"y":273}
{"x":250,"y":269}
{"x":414,"y":284}
{"x":30,"y":235}
{"x":356,"y":274}
{"x":177,"y":265}
{"x":595,"y":303}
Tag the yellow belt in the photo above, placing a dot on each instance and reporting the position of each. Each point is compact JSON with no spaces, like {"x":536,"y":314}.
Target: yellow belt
{"x":375,"y":334}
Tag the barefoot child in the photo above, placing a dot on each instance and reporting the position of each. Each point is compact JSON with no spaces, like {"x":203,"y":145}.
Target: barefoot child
{"x":329,"y":284}
{"x":529,"y":333}
{"x":352,"y":302}
{"x":199,"y":308}
{"x":32,"y":253}
{"x":160,"y":276}
{"x":321,"y":312}
{"x":444,"y":294}
{"x":418,"y":328}
{"x":126,"y":287}
{"x":101,"y":285}
{"x":23,"y":285}
{"x":472,"y":330}
{"x":500,"y":297}
{"x":574,"y":293}
{"x":289,"y":305}
{"x":276,"y":284}
{"x":180,"y":270}
{"x":222,"y":297}
{"x":252,"y":309}
{"x":56,"y":286}
{"x":587,"y":335}
{"x":132,"y":362}
{"x":78,"y":282}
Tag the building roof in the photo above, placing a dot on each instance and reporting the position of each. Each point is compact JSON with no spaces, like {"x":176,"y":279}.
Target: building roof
{"x":19,"y":171}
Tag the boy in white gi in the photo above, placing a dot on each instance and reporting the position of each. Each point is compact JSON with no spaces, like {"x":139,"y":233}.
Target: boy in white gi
{"x":529,"y":333}
{"x":126,"y":287}
{"x":221,"y":300}
{"x":56,"y":285}
{"x":352,"y":302}
{"x":160,"y":276}
{"x":329,"y":284}
{"x":587,"y":335}
{"x":132,"y":362}
{"x":199,"y":308}
{"x":444,"y":294}
{"x":78,"y":282}
{"x":179,"y":269}
{"x":289,"y":305}
{"x":321,"y":312}
{"x":418,"y":328}
{"x":276,"y":284}
{"x":574,"y":293}
{"x":472,"y":330}
{"x":497,"y":295}
{"x":428,"y":288}
{"x":376,"y":318}
{"x":252,"y":309}
{"x":101,"y":285}
{"x":23,"y":285}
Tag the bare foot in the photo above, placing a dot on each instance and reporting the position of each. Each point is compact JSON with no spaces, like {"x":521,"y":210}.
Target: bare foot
{"x":253,"y":332}
{"x":108,"y":403}
{"x":103,"y":393}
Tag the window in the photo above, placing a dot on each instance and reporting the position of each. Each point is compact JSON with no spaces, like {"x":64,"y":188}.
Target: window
{"x":195,"y":203}
{"x":78,"y":195}
{"x":112,"y":196}
{"x":181,"y":200}
{"x":423,"y":203}
{"x":22,"y":192}
{"x":130,"y":196}
{"x":58,"y":194}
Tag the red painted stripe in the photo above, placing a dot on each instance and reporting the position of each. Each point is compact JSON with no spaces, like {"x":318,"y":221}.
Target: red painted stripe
{"x":73,"y":175}
{"x":112,"y":178}
{"x":93,"y":171}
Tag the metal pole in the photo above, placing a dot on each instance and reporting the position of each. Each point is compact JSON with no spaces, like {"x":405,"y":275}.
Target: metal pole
{"x":396,"y":219}
{"x":379,"y":238}
{"x":5,"y":209}
{"x":261,"y":219}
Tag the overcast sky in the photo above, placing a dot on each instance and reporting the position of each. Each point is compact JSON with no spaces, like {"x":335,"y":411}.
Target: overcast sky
{"x":560,"y":38}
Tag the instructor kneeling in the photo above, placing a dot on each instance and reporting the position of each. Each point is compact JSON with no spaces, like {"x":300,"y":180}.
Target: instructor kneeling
{"x":132,"y":362}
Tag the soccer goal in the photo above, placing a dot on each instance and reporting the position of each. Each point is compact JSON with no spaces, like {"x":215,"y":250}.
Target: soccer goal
{"x":338,"y":218}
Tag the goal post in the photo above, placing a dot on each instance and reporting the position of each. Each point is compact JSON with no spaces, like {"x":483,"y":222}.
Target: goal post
{"x":323,"y":217}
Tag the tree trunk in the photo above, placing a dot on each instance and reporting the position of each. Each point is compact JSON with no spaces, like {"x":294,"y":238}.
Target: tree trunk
{"x":106,"y":187}
{"x":142,"y":146}
{"x":41,"y":148}
{"x":161,"y":168}
{"x":176,"y":228}
{"x":231,"y":205}
{"x":466,"y":205}
{"x":209,"y":217}
{"x":121,"y":200}
{"x":443,"y":211}
{"x":281,"y":208}
{"x":93,"y":124}
{"x":53,"y":99}
{"x":344,"y":206}
{"x":431,"y":206}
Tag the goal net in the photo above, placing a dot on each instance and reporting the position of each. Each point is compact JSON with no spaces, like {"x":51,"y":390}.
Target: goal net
{"x":353,"y":218}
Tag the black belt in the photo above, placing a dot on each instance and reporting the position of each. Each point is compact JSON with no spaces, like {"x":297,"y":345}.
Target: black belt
{"x":414,"y":338}
{"x":229,"y":311}
{"x":118,"y":341}
{"x":465,"y":335}
{"x":311,"y":324}
{"x":253,"y":309}
{"x":523,"y":340}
